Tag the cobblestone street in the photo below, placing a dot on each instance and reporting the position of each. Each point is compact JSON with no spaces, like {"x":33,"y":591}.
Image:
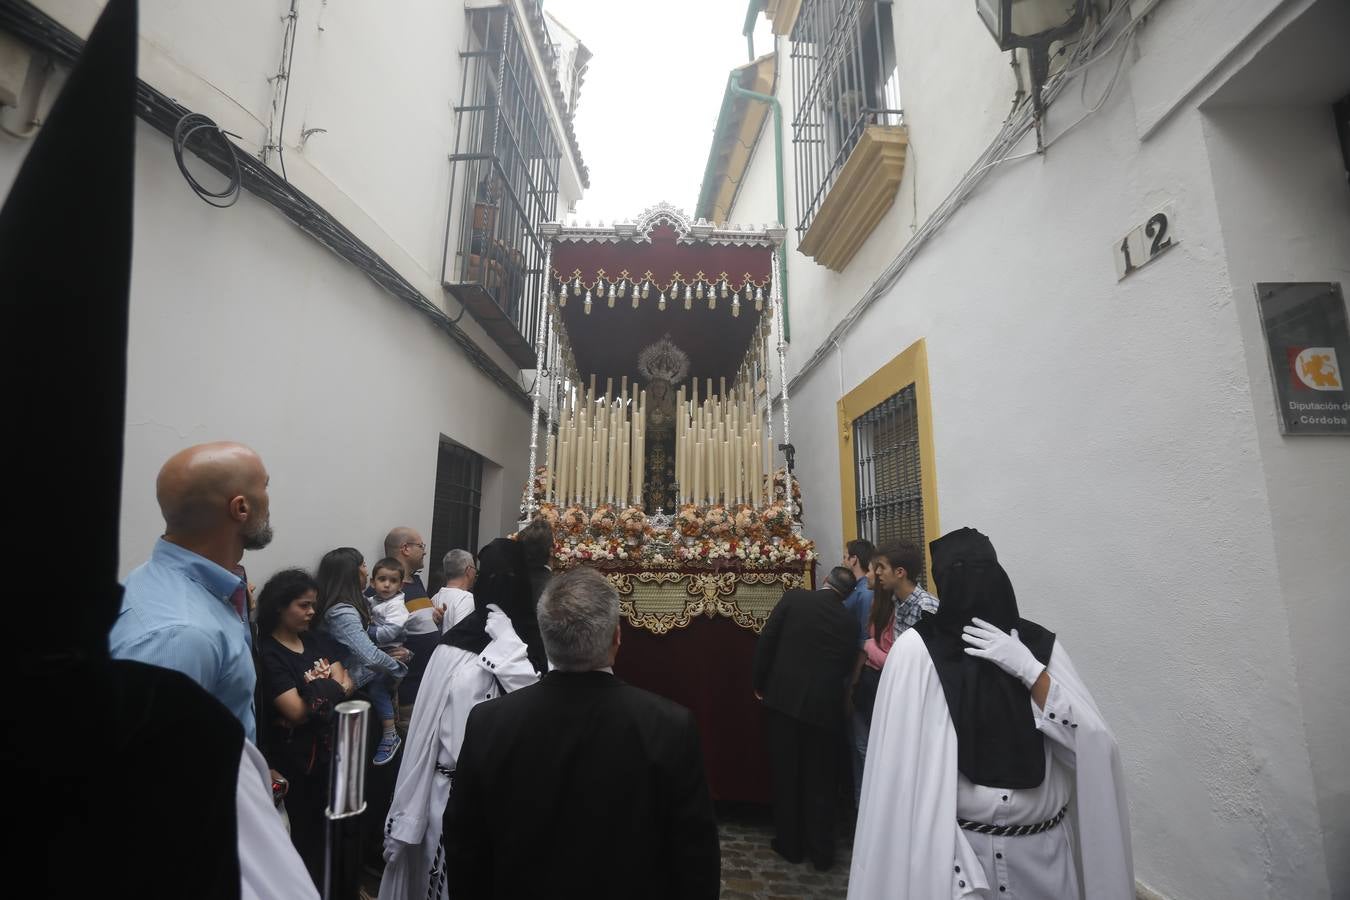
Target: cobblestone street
{"x":750,"y":868}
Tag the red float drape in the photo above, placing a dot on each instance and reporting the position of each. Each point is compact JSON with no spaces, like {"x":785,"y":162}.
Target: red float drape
{"x":706,"y":668}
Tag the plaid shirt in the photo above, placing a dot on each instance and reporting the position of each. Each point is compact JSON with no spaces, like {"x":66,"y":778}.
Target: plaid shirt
{"x":908,"y":610}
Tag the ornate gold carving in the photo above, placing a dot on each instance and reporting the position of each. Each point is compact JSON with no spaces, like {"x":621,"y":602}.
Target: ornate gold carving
{"x":649,"y":601}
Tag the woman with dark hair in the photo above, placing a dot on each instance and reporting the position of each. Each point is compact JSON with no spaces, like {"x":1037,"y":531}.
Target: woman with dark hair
{"x":300,"y":681}
{"x":480,"y":657}
{"x":344,"y":615}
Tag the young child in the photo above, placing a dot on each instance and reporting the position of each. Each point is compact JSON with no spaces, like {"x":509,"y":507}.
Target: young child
{"x":388,"y":616}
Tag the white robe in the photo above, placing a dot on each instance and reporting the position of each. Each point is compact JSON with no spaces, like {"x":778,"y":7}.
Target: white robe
{"x":454,"y":681}
{"x":269,"y":867}
{"x":907,"y":842}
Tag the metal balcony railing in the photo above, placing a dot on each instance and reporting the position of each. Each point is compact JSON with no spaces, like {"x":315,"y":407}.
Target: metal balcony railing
{"x":843,"y":80}
{"x":504,"y":183}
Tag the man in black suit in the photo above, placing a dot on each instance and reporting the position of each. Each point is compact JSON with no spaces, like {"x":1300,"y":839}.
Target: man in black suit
{"x":803,"y":661}
{"x":581,"y":785}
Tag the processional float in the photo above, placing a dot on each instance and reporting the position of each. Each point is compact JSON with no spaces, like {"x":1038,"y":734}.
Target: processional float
{"x":655,"y":446}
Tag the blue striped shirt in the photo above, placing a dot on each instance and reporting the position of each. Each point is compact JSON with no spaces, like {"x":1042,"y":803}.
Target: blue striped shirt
{"x":177,"y":614}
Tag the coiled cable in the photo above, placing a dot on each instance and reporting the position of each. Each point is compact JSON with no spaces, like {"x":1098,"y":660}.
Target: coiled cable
{"x":221,"y":156}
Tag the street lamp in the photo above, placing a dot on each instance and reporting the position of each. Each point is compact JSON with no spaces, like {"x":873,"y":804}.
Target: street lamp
{"x":1033,"y":25}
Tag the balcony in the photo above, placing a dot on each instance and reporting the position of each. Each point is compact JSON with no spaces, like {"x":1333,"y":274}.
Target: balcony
{"x":848,"y":130}
{"x":504,"y":183}
{"x":861,"y":194}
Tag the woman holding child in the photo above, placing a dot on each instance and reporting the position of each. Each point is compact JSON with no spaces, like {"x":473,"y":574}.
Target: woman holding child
{"x":345,"y":617}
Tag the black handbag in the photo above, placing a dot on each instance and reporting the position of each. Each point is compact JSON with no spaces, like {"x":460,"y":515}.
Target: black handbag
{"x":865,"y":692}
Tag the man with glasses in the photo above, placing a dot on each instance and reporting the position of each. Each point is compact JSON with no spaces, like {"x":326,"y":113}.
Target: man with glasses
{"x":424,"y":617}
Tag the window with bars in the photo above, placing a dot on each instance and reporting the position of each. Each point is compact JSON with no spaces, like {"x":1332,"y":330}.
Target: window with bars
{"x":504,"y":182}
{"x":458,"y":499}
{"x":844,"y":78}
{"x":887,"y":471}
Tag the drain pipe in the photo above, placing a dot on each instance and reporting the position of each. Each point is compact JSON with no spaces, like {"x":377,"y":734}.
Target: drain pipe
{"x":734,"y":87}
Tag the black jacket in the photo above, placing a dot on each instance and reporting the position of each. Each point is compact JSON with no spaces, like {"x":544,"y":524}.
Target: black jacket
{"x":804,"y":657}
{"x":581,"y":786}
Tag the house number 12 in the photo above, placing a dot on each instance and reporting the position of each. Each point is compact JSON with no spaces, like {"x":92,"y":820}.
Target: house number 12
{"x":1146,"y":243}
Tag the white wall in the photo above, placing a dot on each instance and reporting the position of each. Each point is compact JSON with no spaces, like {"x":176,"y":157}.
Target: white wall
{"x":244,"y":328}
{"x":1284,"y":206}
{"x":382,"y":81}
{"x":1117,"y":440}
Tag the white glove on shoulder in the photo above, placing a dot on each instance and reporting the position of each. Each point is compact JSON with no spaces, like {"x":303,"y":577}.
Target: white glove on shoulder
{"x":498,"y":623}
{"x":1003,"y":650}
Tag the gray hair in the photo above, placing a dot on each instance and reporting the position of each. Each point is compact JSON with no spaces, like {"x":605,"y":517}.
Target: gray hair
{"x":578,"y":613}
{"x":455,"y":563}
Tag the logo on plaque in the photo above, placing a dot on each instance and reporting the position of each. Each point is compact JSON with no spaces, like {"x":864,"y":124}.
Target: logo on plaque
{"x":1315,"y":368}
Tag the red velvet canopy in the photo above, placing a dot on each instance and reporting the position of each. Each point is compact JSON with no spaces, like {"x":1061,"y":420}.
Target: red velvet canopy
{"x":670,"y":255}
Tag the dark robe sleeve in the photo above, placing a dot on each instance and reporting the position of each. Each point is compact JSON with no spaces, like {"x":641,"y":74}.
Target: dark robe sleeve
{"x":766,"y":648}
{"x":694,"y":851}
{"x":468,"y":849}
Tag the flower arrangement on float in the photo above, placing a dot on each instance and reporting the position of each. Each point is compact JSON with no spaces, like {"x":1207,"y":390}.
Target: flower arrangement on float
{"x":777,"y":488}
{"x":716,"y":522}
{"x":549,"y":513}
{"x":539,"y":484}
{"x":689,"y":521}
{"x":777,"y":520}
{"x":740,"y":537}
{"x":633,"y":522}
{"x":604,"y":519}
{"x":749,"y":554}
{"x":601,"y":550}
{"x":748,"y":524}
{"x":733,"y":553}
{"x":573,"y":521}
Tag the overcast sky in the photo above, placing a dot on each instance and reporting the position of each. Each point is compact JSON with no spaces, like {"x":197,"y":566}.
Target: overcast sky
{"x":651,"y":95}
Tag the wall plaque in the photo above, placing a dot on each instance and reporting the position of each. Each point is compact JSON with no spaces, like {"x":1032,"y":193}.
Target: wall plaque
{"x":1308,"y":345}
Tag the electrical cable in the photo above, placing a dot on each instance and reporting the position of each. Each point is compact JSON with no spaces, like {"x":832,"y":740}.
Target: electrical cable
{"x":286,"y":96}
{"x":1015,"y":128}
{"x":189,"y":125}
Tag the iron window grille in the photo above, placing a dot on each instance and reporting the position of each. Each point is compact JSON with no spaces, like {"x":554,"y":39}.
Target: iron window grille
{"x":844,"y":79}
{"x":888,"y":472}
{"x":457,"y":502}
{"x":504,"y":181}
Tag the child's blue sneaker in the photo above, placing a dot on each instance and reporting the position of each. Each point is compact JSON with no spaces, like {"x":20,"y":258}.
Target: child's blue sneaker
{"x":388,"y":746}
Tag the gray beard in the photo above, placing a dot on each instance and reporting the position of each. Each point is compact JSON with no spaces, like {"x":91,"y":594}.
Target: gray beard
{"x":259,"y":537}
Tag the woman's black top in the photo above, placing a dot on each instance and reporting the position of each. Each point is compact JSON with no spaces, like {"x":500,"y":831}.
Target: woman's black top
{"x":297,"y":750}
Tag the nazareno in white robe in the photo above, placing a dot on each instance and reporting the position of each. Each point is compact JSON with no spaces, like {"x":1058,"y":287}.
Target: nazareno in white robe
{"x":907,"y":842}
{"x":454,"y":681}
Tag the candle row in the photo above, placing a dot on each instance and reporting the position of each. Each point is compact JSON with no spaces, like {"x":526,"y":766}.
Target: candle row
{"x":596,"y":456}
{"x":719,"y":445}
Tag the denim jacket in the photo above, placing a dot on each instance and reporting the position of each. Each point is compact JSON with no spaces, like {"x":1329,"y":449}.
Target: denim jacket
{"x":364,"y":660}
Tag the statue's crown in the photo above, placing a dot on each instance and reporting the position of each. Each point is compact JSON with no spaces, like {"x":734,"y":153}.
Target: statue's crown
{"x":663,"y":361}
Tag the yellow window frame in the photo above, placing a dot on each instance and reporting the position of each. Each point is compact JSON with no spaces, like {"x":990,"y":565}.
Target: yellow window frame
{"x":910,"y":367}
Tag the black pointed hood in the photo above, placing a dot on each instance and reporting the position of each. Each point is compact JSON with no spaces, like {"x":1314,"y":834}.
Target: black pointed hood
{"x":65,"y":260}
{"x":997,"y":741}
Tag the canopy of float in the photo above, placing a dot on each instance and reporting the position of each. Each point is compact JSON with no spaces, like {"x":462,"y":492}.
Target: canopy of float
{"x":620,"y":288}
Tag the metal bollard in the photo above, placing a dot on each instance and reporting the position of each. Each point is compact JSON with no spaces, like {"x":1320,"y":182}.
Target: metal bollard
{"x":346,"y":801}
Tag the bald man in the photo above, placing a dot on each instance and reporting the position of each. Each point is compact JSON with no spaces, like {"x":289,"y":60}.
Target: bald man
{"x":185,"y":608}
{"x":423,"y":631}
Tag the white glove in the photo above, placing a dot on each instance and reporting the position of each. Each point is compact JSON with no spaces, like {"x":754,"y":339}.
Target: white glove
{"x":498,"y":623}
{"x":393,"y":849}
{"x":1003,"y":650}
